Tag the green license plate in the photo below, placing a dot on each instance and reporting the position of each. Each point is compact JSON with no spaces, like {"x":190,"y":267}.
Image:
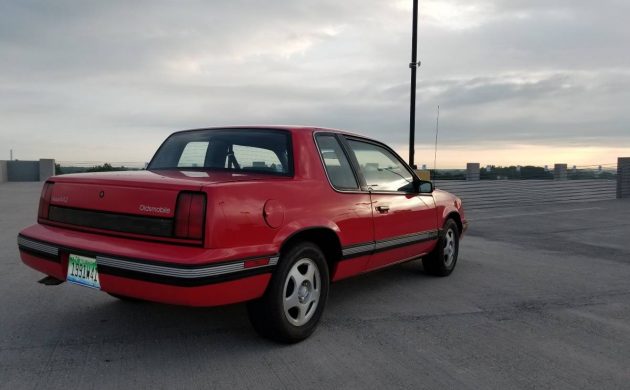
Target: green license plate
{"x":82,"y":270}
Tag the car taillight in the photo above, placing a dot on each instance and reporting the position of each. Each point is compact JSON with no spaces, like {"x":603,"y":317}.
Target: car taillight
{"x":190,"y":214}
{"x":44,"y":200}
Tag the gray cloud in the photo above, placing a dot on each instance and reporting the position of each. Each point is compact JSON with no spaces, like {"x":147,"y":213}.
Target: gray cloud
{"x":109,"y":80}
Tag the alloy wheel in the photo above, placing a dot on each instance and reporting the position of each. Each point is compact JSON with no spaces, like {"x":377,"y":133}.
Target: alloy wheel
{"x":449,"y":248}
{"x":301,"y":292}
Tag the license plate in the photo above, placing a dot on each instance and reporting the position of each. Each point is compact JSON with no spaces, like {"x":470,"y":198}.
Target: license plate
{"x":82,"y":270}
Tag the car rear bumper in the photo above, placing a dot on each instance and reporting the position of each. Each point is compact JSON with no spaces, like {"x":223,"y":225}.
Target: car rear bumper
{"x":184,"y":281}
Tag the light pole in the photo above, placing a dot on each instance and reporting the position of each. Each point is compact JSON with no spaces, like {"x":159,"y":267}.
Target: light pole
{"x":414,"y":66}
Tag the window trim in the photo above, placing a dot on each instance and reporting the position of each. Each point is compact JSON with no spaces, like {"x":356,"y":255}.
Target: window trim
{"x":360,"y":188}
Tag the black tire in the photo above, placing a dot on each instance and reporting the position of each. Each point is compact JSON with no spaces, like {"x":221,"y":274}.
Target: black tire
{"x":126,"y":298}
{"x":440,"y":262}
{"x":268,"y":315}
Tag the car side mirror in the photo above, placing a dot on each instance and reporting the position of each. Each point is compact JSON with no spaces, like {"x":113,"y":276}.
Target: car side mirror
{"x":424,"y":187}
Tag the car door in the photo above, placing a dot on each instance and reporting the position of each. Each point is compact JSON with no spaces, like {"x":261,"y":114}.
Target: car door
{"x":349,"y":207}
{"x":404,"y":220}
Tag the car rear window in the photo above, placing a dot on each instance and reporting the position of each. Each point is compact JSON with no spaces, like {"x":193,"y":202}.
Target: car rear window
{"x":247,"y":150}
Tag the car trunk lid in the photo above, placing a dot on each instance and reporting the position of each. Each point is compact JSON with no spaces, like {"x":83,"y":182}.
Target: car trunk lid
{"x":136,"y":203}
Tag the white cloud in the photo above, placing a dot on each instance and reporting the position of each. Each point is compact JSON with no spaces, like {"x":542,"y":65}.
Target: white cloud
{"x":455,"y":15}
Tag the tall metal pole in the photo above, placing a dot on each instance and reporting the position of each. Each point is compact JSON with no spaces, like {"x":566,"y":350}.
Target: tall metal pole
{"x":437,"y":130}
{"x":414,"y":66}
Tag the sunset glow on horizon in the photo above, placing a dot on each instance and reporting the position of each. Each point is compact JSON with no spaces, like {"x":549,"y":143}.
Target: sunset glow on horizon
{"x":456,"y":157}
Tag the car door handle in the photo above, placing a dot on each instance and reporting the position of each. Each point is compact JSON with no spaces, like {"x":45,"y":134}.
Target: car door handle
{"x":383,"y":208}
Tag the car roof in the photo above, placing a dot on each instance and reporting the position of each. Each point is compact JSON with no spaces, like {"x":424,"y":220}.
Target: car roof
{"x":291,"y":128}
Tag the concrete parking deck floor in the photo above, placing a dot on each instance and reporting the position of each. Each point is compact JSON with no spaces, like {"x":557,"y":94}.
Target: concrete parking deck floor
{"x":540,"y":299}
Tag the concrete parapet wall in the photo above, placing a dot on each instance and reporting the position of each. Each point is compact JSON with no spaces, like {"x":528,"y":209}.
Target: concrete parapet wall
{"x":23,"y":170}
{"x":623,"y":177}
{"x":46,"y":168}
{"x":3,"y":172}
{"x":504,"y":194}
{"x":473,"y":171}
{"x":560,"y":172}
{"x":17,"y":170}
{"x":423,"y":174}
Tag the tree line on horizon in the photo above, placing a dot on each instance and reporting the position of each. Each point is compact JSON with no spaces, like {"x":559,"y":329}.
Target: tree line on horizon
{"x":106,"y":167}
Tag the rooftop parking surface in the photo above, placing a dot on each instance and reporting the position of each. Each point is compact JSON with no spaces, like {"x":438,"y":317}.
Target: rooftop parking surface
{"x":540,"y":299}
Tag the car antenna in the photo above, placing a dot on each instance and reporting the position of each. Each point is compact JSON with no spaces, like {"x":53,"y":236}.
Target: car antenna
{"x":437,"y":129}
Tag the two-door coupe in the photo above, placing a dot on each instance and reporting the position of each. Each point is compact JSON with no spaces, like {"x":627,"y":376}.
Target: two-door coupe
{"x":269,"y":215}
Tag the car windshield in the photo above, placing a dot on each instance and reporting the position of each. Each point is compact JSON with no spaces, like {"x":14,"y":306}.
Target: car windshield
{"x":240,"y":150}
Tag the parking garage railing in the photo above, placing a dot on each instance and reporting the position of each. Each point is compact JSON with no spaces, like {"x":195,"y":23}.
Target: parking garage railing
{"x":530,"y":186}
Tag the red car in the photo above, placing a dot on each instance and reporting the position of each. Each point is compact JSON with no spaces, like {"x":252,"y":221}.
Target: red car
{"x":269,"y":215}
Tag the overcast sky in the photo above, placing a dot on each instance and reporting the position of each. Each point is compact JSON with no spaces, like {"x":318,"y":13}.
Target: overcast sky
{"x":517,"y":81}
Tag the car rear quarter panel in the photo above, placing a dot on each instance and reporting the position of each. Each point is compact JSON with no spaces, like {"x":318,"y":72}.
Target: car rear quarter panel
{"x":240,"y":219}
{"x":306,"y":200}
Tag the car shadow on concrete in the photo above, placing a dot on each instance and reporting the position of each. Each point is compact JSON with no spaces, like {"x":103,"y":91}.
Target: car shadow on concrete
{"x":109,"y":319}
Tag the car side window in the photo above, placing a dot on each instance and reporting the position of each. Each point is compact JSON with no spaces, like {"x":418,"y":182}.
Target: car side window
{"x":381,"y":169}
{"x":336,"y":164}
